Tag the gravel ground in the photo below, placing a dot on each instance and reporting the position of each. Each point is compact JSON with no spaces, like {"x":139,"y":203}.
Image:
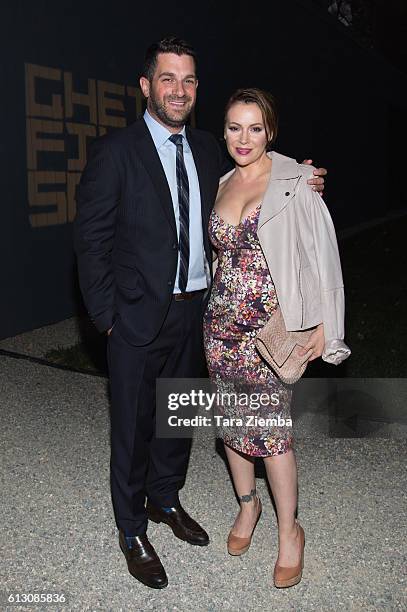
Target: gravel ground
{"x":38,"y":342}
{"x":59,"y":535}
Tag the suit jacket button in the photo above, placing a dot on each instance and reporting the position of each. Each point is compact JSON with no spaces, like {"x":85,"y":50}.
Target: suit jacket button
{"x":287,"y":193}
{"x":169,"y":283}
{"x":175,"y":246}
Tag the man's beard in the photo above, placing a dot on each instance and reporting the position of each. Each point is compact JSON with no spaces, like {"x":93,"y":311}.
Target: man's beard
{"x":161,"y":112}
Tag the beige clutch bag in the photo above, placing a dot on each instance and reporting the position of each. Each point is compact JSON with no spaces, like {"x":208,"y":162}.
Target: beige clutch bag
{"x":279,"y":348}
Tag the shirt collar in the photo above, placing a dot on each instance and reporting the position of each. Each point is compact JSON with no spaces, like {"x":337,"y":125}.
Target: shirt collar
{"x":158,"y":132}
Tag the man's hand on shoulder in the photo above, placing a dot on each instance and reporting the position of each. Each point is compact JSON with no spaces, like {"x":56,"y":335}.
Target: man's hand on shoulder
{"x":318,"y":182}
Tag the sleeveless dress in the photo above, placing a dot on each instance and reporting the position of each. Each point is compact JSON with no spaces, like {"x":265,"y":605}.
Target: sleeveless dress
{"x":242,"y":300}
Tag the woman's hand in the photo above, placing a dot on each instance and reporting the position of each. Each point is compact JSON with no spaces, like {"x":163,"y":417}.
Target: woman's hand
{"x":318,"y":182}
{"x":316,"y":343}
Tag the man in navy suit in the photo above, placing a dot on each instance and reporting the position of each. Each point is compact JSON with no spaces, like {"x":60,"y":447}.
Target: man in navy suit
{"x":144,"y":260}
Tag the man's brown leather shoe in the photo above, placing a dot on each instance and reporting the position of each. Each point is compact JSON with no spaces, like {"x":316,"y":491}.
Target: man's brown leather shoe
{"x":183,"y":526}
{"x":143,"y":562}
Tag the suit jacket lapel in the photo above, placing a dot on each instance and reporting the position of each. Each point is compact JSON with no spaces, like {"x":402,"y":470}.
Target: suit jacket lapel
{"x":152,"y":163}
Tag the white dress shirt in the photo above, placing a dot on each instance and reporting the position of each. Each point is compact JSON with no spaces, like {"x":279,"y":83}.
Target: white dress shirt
{"x":197,"y":279}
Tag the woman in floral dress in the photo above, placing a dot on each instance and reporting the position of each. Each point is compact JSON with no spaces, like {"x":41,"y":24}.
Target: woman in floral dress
{"x":242,"y":300}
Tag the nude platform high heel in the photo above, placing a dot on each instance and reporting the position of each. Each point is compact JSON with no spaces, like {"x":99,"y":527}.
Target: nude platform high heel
{"x":289,"y":576}
{"x":238,"y":546}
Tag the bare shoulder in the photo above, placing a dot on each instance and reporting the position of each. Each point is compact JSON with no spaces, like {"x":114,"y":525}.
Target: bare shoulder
{"x":225,"y":178}
{"x":225,"y":181}
{"x":223,"y":187}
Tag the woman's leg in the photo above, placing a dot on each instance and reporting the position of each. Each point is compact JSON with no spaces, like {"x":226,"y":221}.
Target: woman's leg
{"x":242,"y":468}
{"x":282,"y":476}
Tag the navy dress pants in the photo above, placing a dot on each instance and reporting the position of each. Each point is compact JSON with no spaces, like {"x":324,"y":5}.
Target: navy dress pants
{"x":142,"y":464}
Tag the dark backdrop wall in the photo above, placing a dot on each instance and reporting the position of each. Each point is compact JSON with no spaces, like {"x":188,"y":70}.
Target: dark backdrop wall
{"x":70,"y":72}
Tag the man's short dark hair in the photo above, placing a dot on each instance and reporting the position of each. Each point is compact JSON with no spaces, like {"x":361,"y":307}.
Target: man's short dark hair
{"x":166,"y":45}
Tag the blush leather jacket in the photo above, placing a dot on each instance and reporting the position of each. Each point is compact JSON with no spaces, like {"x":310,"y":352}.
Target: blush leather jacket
{"x":298,"y":239}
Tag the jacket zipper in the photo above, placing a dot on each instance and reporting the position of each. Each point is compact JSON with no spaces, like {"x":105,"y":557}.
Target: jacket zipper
{"x":299,"y":285}
{"x":299,"y":258}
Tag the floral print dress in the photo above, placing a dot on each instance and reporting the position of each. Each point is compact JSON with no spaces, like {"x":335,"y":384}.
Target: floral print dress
{"x":254,"y":412}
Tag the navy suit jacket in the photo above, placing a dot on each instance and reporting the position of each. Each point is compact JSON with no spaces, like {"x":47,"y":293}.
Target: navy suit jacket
{"x":125,"y":234}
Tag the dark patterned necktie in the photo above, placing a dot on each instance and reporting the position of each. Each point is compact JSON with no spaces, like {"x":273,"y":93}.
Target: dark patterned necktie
{"x":183,"y":205}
